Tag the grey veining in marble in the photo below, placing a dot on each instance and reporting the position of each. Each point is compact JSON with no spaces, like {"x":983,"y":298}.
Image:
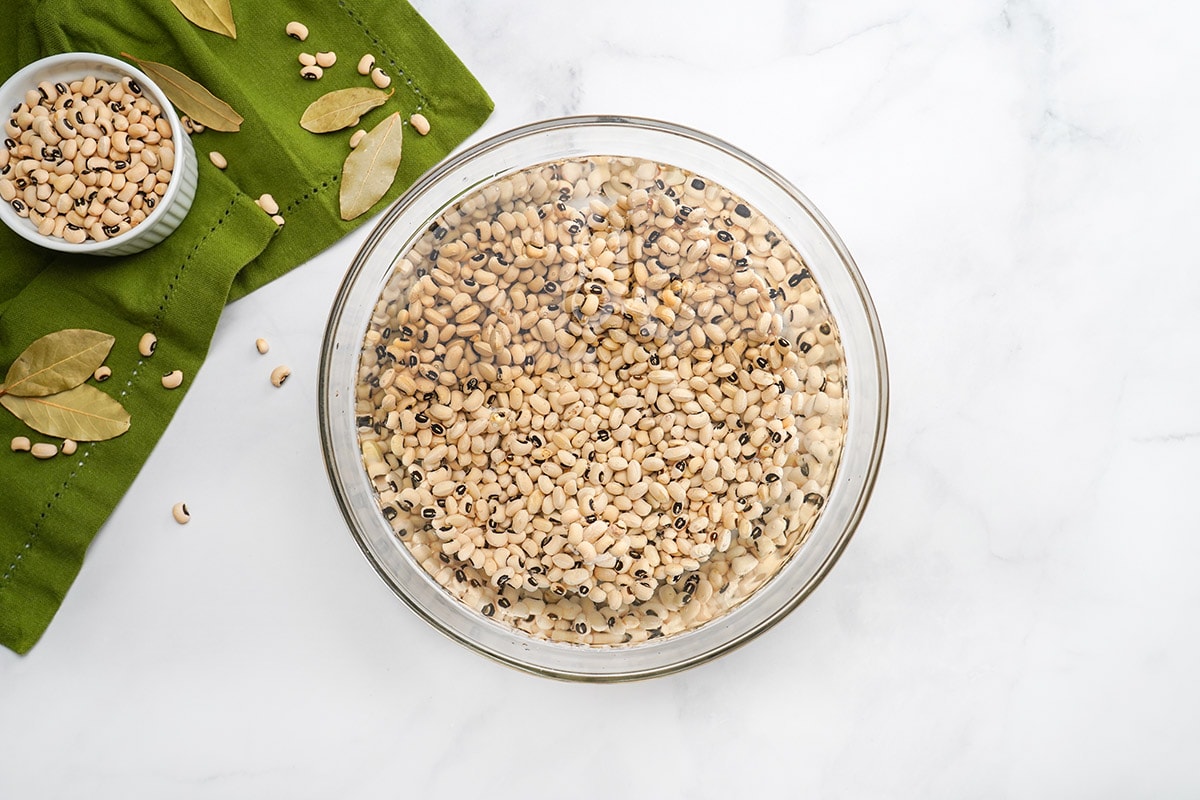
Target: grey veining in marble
{"x":1016,"y":616}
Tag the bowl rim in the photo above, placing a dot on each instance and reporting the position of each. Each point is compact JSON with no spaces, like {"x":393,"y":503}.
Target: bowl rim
{"x":326,"y":392}
{"x":22,"y":226}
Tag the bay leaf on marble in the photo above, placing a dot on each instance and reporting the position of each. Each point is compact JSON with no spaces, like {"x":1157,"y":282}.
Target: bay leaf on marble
{"x":190,"y":97}
{"x":371,"y":167}
{"x":212,"y":15}
{"x":84,"y":414}
{"x":341,"y":108}
{"x":56,"y":362}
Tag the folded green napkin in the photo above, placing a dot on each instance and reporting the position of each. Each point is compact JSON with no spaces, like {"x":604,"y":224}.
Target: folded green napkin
{"x":226,"y":247}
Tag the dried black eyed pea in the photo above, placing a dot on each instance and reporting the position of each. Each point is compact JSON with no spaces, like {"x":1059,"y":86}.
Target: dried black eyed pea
{"x":262,"y":345}
{"x":20,"y":444}
{"x":380,"y":78}
{"x":419,"y":123}
{"x":279,"y":375}
{"x":366,"y":64}
{"x":297,"y":30}
{"x":357,"y":137}
{"x":307,"y":59}
{"x":326,"y":59}
{"x":312,"y":73}
{"x":69,"y":446}
{"x":43,"y":450}
{"x":267,"y":203}
{"x":102,"y":374}
{"x":218,"y":160}
{"x":172,"y":379}
{"x":181,"y":514}
{"x":147,"y":344}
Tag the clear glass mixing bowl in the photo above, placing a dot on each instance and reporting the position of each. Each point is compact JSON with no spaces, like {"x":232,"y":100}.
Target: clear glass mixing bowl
{"x":793,"y":216}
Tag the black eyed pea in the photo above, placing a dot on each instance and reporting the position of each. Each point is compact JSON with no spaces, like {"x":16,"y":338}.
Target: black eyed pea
{"x":297,"y":30}
{"x":267,"y":203}
{"x":147,"y":344}
{"x":357,"y":137}
{"x":279,"y":375}
{"x":69,"y":446}
{"x":218,"y":160}
{"x":278,"y":220}
{"x":313,"y":73}
{"x":172,"y":379}
{"x":380,"y":78}
{"x":306,"y":59}
{"x":43,"y":450}
{"x":262,"y":345}
{"x":326,"y":59}
{"x":366,"y":64}
{"x":181,"y":514}
{"x":419,"y":123}
{"x":20,"y":444}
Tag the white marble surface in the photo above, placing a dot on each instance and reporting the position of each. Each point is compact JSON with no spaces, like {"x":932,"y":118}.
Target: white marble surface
{"x":1016,"y":616}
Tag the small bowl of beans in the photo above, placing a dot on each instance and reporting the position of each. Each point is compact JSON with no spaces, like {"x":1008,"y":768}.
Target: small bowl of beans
{"x":603,"y":398}
{"x":94,"y":158}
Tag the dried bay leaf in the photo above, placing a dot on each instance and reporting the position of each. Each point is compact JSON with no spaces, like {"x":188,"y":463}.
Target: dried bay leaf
{"x":371,"y":167}
{"x":341,"y":108}
{"x":84,"y":414}
{"x":190,"y":97}
{"x":212,"y":15}
{"x":56,"y":362}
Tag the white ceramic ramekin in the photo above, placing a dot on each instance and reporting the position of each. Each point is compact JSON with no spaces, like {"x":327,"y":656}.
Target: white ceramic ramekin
{"x":173,"y":206}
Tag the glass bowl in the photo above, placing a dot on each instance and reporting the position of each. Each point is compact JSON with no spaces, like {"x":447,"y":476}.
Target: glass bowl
{"x":384,"y":264}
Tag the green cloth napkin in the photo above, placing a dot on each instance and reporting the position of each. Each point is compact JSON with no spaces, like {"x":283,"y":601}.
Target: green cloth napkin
{"x":226,"y":247}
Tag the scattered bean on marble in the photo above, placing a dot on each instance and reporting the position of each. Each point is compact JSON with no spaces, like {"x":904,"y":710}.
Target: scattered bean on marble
{"x":601,"y":400}
{"x":181,"y":514}
{"x":279,"y":375}
{"x":73,"y":148}
{"x":262,"y":345}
